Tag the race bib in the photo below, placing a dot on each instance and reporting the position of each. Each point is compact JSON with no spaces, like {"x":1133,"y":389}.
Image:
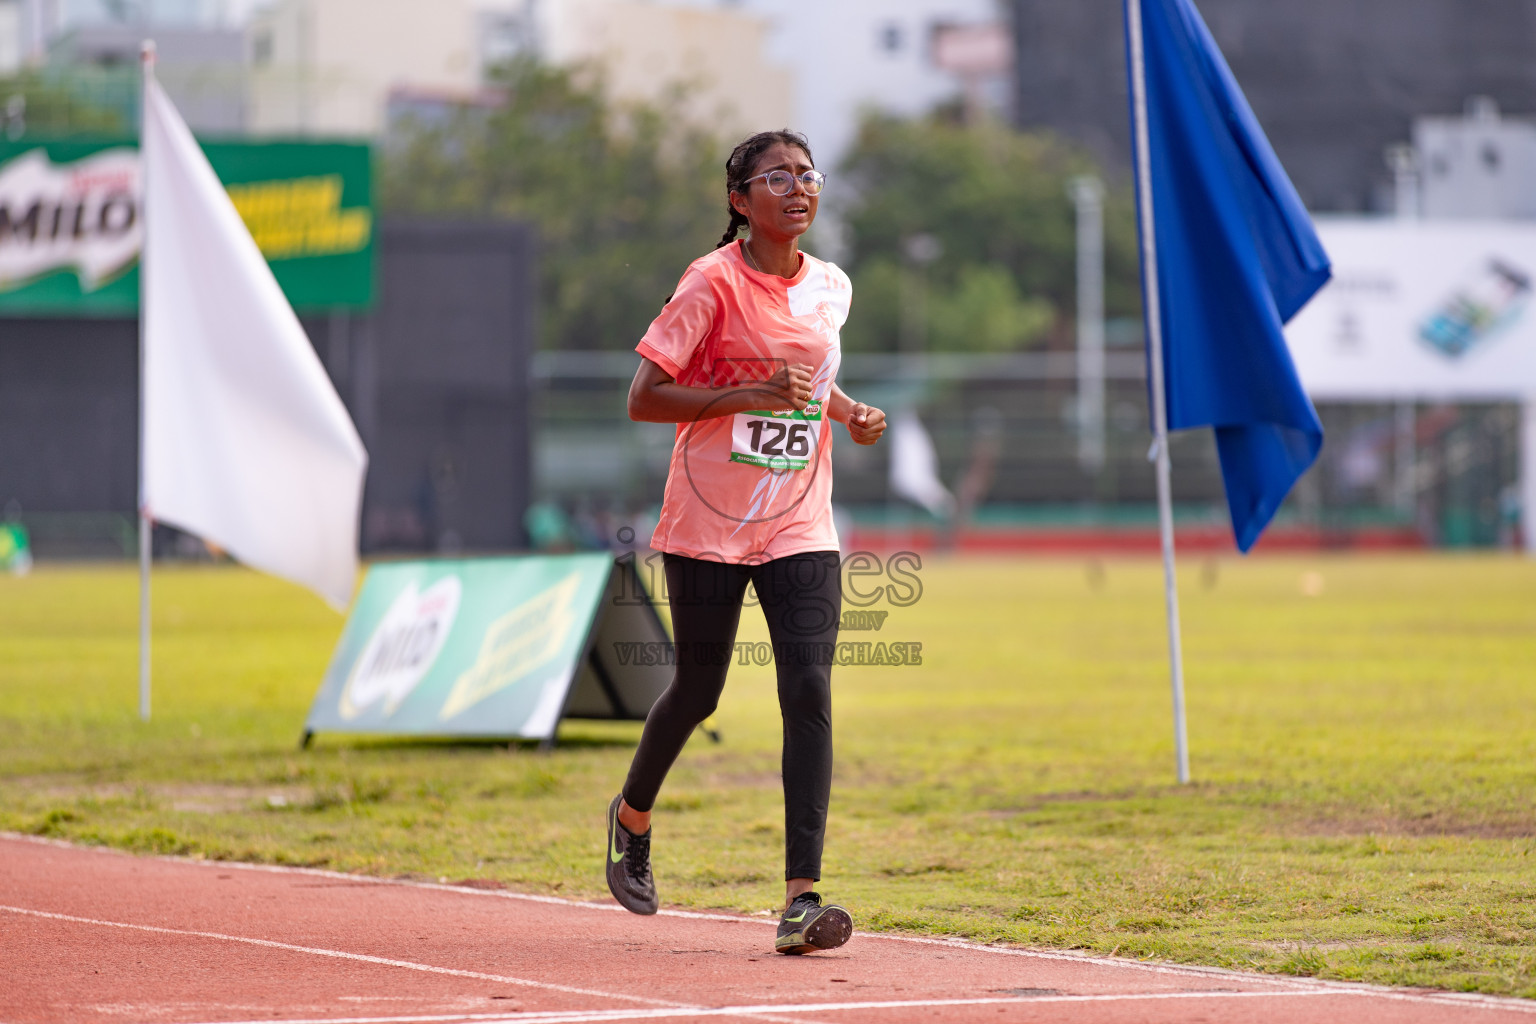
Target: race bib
{"x":776,"y":440}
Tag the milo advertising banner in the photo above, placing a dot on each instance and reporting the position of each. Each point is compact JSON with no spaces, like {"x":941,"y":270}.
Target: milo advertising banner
{"x":71,"y":223}
{"x":493,"y":647}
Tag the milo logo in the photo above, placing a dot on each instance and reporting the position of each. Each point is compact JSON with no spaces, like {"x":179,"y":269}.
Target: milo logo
{"x":402,"y":648}
{"x":82,"y":215}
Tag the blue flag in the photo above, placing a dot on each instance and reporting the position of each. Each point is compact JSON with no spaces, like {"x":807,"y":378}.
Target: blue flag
{"x":1237,"y":257}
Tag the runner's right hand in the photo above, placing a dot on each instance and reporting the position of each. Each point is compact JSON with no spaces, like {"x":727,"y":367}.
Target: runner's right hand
{"x":790,"y":389}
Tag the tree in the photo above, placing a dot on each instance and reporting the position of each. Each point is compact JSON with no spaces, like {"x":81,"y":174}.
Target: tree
{"x":624,"y":198}
{"x":995,"y":201}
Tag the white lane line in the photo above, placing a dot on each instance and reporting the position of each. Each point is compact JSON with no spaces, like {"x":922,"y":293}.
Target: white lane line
{"x":1179,"y":970}
{"x":1471,"y":999}
{"x":366,"y":958}
{"x":694,"y":915}
{"x":452,"y":1018}
{"x":579,"y":1016}
{"x":597,"y":1016}
{"x":340,"y":955}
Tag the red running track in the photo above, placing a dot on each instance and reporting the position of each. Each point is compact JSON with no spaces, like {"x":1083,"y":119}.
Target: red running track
{"x":97,"y":936}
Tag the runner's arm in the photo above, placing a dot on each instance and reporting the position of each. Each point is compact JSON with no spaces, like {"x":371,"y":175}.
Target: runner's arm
{"x":656,"y":397}
{"x":865,"y":422}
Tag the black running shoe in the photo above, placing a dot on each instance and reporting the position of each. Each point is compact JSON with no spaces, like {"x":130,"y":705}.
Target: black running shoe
{"x":808,"y":926}
{"x":628,"y":865}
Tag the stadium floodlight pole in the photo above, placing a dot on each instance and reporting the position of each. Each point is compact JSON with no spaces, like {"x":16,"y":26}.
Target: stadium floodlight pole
{"x":147,"y":64}
{"x":1155,"y":361}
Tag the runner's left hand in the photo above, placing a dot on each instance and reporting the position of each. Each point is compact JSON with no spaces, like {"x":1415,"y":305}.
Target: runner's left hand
{"x":865,"y":423}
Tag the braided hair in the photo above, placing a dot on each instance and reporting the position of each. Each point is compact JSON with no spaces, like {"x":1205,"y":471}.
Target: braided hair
{"x":741,"y":163}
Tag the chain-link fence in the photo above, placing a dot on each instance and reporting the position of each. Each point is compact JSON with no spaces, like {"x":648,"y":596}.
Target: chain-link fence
{"x":1007,"y":432}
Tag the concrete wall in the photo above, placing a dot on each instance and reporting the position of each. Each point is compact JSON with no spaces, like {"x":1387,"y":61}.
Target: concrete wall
{"x":69,"y":414}
{"x":442,"y":398}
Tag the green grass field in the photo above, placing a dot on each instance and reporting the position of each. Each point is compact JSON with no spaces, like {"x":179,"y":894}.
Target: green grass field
{"x":1363,"y":733}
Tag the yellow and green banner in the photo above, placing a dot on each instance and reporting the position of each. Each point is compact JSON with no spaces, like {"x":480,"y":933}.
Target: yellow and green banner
{"x":71,"y":222}
{"x":492,"y":647}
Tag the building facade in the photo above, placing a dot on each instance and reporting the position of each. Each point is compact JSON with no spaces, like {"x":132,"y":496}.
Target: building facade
{"x":848,"y":56}
{"x":715,"y":58}
{"x":331,"y":67}
{"x":326,"y":67}
{"x":1333,"y":84}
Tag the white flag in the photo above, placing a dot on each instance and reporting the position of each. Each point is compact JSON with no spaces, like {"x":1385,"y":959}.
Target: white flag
{"x":246,"y":444}
{"x":915,"y":466}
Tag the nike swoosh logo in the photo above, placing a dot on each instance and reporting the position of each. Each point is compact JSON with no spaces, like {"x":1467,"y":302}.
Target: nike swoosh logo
{"x":797,"y":918}
{"x":615,"y":854}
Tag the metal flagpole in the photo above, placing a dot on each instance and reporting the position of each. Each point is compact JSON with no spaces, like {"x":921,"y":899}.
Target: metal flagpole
{"x":1155,"y":358}
{"x":147,"y":63}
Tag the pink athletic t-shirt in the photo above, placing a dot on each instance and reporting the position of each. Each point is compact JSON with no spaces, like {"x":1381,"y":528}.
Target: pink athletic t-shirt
{"x":757,"y":485}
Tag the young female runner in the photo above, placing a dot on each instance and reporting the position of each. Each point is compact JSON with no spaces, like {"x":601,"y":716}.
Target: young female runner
{"x":744,"y":359}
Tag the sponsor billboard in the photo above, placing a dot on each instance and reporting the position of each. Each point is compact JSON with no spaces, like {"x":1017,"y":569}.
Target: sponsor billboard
{"x":71,"y":222}
{"x":492,"y":647}
{"x":1427,"y":310}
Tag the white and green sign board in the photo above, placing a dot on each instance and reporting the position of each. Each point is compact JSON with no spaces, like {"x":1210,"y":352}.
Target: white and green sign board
{"x":71,"y":221}
{"x":492,"y":648}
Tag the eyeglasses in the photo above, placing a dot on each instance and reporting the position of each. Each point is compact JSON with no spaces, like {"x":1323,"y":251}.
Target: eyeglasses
{"x":782,"y":183}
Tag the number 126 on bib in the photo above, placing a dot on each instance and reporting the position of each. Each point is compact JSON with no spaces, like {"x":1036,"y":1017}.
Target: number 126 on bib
{"x":776,"y":440}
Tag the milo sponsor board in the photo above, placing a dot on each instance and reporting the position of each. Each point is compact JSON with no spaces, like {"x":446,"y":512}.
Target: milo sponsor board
{"x":493,"y":647}
{"x":403,"y":646}
{"x":81,"y":217}
{"x":71,"y":222}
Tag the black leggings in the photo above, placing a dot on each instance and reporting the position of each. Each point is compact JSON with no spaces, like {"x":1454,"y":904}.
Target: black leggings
{"x":801,"y":598}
